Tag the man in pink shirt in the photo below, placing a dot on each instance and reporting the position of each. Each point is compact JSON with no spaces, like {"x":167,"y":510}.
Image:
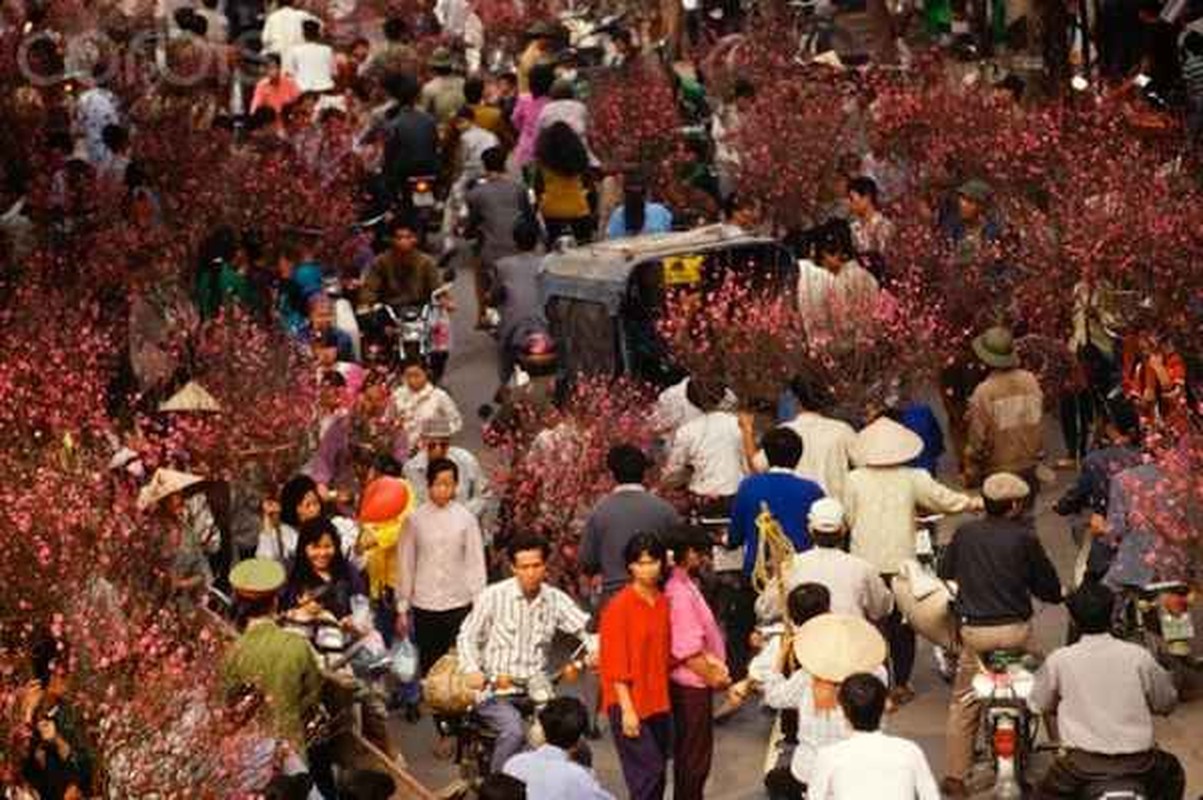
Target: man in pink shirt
{"x":699,"y":660}
{"x":276,"y":90}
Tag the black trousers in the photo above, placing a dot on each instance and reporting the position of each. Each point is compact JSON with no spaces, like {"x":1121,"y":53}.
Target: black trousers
{"x":435,"y":632}
{"x":693,"y":740}
{"x":901,"y":638}
{"x":1077,"y":770}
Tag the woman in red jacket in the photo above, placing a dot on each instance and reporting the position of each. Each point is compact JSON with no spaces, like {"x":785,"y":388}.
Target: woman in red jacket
{"x":635,"y":656}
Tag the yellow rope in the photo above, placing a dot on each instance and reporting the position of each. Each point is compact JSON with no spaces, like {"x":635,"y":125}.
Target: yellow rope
{"x":773,"y":550}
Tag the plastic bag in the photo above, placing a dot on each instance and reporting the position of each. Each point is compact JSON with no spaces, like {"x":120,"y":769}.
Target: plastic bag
{"x":404,"y":661}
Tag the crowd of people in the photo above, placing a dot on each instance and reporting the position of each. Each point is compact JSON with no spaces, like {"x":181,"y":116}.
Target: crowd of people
{"x":383,"y":556}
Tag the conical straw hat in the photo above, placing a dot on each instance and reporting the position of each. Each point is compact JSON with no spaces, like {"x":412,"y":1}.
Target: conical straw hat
{"x":833,"y":646}
{"x":885,"y":443}
{"x":192,"y":397}
{"x":165,"y":482}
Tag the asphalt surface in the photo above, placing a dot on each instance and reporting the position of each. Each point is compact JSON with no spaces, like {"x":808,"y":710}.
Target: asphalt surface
{"x":740,"y":743}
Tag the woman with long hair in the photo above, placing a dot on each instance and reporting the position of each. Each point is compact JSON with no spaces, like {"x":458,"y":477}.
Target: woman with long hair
{"x":637,"y":215}
{"x":561,"y":164}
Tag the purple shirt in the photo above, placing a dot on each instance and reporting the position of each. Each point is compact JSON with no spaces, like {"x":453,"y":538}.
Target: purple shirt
{"x":693,"y":628}
{"x":526,"y":122}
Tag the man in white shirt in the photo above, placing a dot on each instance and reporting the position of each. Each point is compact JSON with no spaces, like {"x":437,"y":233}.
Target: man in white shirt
{"x":674,"y":408}
{"x":473,"y":487}
{"x":1105,"y":692}
{"x":870,"y":763}
{"x":311,"y":63}
{"x":509,"y":632}
{"x":282,"y":28}
{"x":855,"y":586}
{"x":836,"y":293}
{"x":826,"y":442}
{"x":707,"y":453}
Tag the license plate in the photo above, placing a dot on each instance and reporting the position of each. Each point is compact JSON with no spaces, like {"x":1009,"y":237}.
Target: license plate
{"x":422,"y":199}
{"x":1177,"y":627}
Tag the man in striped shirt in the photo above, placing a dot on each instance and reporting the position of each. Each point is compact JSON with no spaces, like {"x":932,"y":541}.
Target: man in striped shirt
{"x":507,"y":635}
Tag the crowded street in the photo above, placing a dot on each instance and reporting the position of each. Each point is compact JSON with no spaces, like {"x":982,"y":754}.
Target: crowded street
{"x":597,"y":399}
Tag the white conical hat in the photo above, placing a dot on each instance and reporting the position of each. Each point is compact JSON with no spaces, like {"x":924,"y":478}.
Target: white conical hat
{"x":828,"y":58}
{"x":165,"y":482}
{"x":192,"y":397}
{"x":885,"y":443}
{"x":833,"y":646}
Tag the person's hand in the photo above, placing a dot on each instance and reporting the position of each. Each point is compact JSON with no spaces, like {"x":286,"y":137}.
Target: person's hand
{"x":401,"y":626}
{"x":630,"y":723}
{"x":366,"y":541}
{"x":1098,"y":525}
{"x":475,"y":680}
{"x":720,"y":677}
{"x":756,"y":640}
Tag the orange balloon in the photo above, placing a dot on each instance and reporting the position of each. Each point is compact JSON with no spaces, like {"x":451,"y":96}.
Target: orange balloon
{"x":385,"y":499}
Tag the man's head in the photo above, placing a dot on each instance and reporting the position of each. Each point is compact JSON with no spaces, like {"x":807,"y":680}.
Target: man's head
{"x":500,"y":786}
{"x":274,"y":70}
{"x":474,"y":90}
{"x":973,"y":198}
{"x":834,"y":247}
{"x":826,"y":522}
{"x":403,"y":237}
{"x":361,"y":48}
{"x":436,"y":438}
{"x":414,"y":373}
{"x":810,"y":393}
{"x":402,"y":87}
{"x":624,"y":43}
{"x":691,"y":546}
{"x":526,"y":234}
{"x":395,"y":30}
{"x":1193,"y":44}
{"x":528,"y":561}
{"x":321,"y":313}
{"x":782,"y":447}
{"x":1005,"y":494}
{"x":507,"y":84}
{"x":1123,"y":422}
{"x":311,"y":29}
{"x":333,"y":386}
{"x":1010,"y":89}
{"x":862,"y":196}
{"x":542,"y":76}
{"x":705,"y":394}
{"x":1091,"y":607}
{"x":627,"y":463}
{"x":493,"y":160}
{"x":115,"y":138}
{"x":50,"y":659}
{"x":807,"y":601}
{"x":564,"y":721}
{"x":863,"y":699}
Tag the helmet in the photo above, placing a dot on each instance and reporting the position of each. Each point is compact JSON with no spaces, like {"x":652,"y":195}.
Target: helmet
{"x":537,"y":353}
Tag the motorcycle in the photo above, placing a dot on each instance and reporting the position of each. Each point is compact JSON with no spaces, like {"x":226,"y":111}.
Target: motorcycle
{"x":1008,"y":725}
{"x":1158,"y":617}
{"x":591,"y":40}
{"x":422,"y":332}
{"x":422,"y":202}
{"x":475,"y":740}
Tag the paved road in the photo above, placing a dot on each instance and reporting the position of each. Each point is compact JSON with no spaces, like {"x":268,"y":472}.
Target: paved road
{"x":740,"y":744}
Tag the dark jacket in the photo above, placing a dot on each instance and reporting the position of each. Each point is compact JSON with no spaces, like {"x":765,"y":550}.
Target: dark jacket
{"x":998,"y":564}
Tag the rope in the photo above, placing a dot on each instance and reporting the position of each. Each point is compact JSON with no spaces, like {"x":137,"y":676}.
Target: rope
{"x":773,"y":550}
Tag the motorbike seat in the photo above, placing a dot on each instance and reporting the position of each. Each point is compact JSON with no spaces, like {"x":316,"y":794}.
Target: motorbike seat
{"x":999,"y":660}
{"x":1116,"y":789}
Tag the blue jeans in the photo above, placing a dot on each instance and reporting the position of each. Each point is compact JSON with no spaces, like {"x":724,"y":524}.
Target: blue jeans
{"x":506,"y":721}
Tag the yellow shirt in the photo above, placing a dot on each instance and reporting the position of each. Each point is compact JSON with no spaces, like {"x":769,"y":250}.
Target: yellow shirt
{"x":563,"y":196}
